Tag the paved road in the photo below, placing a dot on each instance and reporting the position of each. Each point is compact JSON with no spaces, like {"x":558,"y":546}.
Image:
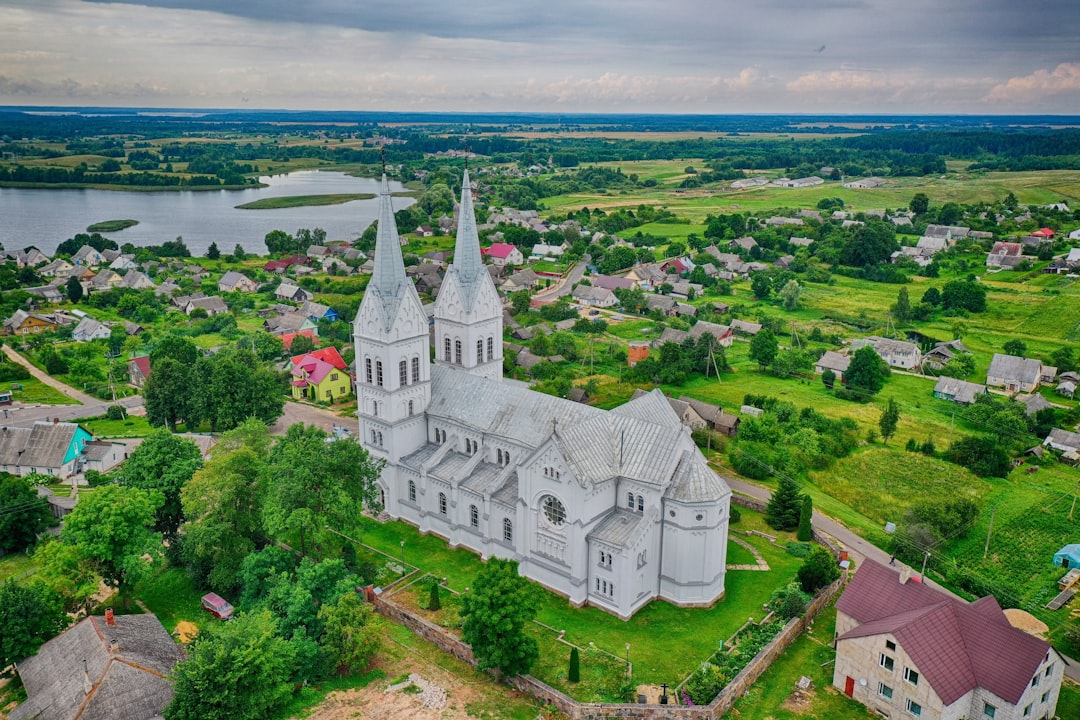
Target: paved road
{"x":565,"y":286}
{"x":859,"y":548}
{"x":309,"y":415}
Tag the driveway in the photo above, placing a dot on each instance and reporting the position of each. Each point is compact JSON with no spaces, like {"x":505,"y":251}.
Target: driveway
{"x":310,"y":415}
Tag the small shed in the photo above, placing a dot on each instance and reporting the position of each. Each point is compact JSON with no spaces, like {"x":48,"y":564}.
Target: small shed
{"x":1068,"y":556}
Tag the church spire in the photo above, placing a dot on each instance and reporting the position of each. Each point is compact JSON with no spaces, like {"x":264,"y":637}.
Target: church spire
{"x":388,"y":277}
{"x":468,"y":264}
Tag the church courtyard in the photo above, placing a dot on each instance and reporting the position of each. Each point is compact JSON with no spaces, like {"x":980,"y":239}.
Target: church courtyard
{"x":666,"y":643}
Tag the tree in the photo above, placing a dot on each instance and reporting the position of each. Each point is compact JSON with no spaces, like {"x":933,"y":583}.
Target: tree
{"x":29,"y":615}
{"x":763,"y":348}
{"x":74,"y":289}
{"x":867,"y":372}
{"x":806,"y":520}
{"x":212,"y":253}
{"x":495,"y":612}
{"x":232,"y":387}
{"x":519,"y":301}
{"x":760,"y":285}
{"x":433,"y":599}
{"x":301,"y":345}
{"x":919,"y":204}
{"x":890,"y":416}
{"x":950,"y":214}
{"x":313,"y":485}
{"x":351,"y":633}
{"x":170,"y":395}
{"x":22,"y":514}
{"x":818,"y":570}
{"x":574,"y":674}
{"x":785,"y":505}
{"x":239,"y":670}
{"x":828,"y":378}
{"x":163,"y":462}
{"x":1063,"y":359}
{"x":964,"y":294}
{"x":932,"y":296}
{"x":279,"y":242}
{"x":110,"y":529}
{"x":1015,"y":347}
{"x":437,"y":200}
{"x":238,"y":253}
{"x":983,"y":456}
{"x":790,"y":294}
{"x":902,"y":309}
{"x":65,"y":572}
{"x":177,"y":347}
{"x":870,"y":245}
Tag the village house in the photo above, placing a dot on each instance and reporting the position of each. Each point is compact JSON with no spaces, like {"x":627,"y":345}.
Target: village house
{"x":833,"y":361}
{"x":544,"y":250}
{"x":116,"y":667}
{"x":1065,"y":442}
{"x":715,"y":418}
{"x":87,"y":256}
{"x":233,"y":281}
{"x":288,"y":291}
{"x":958,"y":391}
{"x":213,"y":305}
{"x":943,"y":352}
{"x":1033,"y":403}
{"x":867,"y":183}
{"x":1005,"y":255}
{"x":48,"y":293}
{"x":123,"y":263}
{"x":318,"y":311}
{"x":1014,"y":374}
{"x":663,"y":303}
{"x":58,"y":268}
{"x":800,"y":241}
{"x":49,"y":448}
{"x":25,"y":323}
{"x":594,"y":296}
{"x":90,"y":329}
{"x":107,"y":279}
{"x":742,"y":327}
{"x":609,"y":282}
{"x":745,"y":244}
{"x":30,"y":257}
{"x":749,"y":182}
{"x":138,"y":371}
{"x":503,"y":254}
{"x":290,"y":323}
{"x":896,"y":353}
{"x":316,"y":378}
{"x":798,"y":182}
{"x":905,"y":649}
{"x":137,"y":280}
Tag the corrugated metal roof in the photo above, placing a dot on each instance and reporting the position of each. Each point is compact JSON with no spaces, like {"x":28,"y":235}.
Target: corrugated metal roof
{"x":619,"y":528}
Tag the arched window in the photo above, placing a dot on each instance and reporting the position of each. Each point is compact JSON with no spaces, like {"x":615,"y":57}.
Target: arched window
{"x":375,"y":408}
{"x":508,"y":530}
{"x":457,"y":352}
{"x":630,"y":500}
{"x":474,"y":516}
{"x":403,"y":373}
{"x":378,"y":373}
{"x":491,"y":348}
{"x":506,"y":457}
{"x":442,"y":503}
{"x":410,"y":407}
{"x":373,"y":437}
{"x":412,"y":491}
{"x":367,"y":370}
{"x":416,"y":369}
{"x":640,"y":503}
{"x":498,"y":455}
{"x":447,"y":345}
{"x":380,"y":440}
{"x":479,"y":351}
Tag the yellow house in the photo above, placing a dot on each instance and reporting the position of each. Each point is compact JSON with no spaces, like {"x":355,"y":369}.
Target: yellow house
{"x":24,"y":323}
{"x":313,"y":378}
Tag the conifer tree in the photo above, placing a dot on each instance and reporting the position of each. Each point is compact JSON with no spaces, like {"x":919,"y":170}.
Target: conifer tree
{"x":434,"y":603}
{"x":575,"y":666}
{"x":806,"y":518}
{"x":782,"y":512}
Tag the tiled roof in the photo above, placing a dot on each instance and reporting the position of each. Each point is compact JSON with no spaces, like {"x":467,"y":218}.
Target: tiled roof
{"x":955,"y":645}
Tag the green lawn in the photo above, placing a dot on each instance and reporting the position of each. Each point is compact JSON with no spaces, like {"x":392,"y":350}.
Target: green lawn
{"x":131,"y":426}
{"x":17,"y":566}
{"x":173,"y":596}
{"x":35,"y":392}
{"x":688,"y":636}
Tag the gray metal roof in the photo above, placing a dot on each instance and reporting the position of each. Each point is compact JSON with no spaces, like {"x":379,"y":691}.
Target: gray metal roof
{"x":1015,"y":369}
{"x":695,"y":482}
{"x":618,"y":528}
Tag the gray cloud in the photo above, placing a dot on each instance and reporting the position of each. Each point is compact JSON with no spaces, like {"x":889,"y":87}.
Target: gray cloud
{"x":634,"y":55}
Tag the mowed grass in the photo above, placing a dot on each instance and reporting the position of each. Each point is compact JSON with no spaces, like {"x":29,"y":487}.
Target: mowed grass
{"x":35,"y":392}
{"x":667,"y":643}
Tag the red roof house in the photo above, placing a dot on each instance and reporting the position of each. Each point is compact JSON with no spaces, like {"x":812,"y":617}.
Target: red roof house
{"x":287,"y":338}
{"x":1043,"y":232}
{"x":503,"y":254}
{"x":138,"y":370}
{"x":905,"y":647}
{"x":316,"y":379}
{"x":326,"y":354}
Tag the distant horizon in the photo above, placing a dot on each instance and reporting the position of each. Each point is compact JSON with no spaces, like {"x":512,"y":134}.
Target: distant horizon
{"x":969,"y":57}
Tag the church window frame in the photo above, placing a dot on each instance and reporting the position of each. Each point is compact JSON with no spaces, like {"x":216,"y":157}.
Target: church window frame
{"x":490,"y":348}
{"x":442,"y":503}
{"x":630,"y":500}
{"x":403,"y":373}
{"x":474,"y":516}
{"x":506,"y":457}
{"x":367,"y":370}
{"x":378,"y":373}
{"x":508,"y":530}
{"x":447,"y":345}
{"x":641,"y":503}
{"x":479,"y":351}
{"x":553,"y":511}
{"x":411,"y":411}
{"x":375,"y":408}
{"x":416,"y":369}
{"x":412,"y":491}
{"x":498,"y":456}
{"x":457,"y":352}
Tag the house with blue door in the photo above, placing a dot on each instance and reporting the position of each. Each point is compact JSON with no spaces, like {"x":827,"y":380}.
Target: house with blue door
{"x":49,"y":448}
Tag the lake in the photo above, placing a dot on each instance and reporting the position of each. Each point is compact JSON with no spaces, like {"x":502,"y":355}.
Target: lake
{"x":45,"y":218}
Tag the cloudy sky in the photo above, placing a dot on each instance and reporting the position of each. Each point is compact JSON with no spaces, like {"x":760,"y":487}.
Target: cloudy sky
{"x":674,"y":56}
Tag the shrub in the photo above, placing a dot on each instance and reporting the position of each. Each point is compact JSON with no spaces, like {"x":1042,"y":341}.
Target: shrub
{"x":574,"y":674}
{"x":12,"y":372}
{"x":736,"y":516}
{"x":798,"y":549}
{"x":705,"y":684}
{"x":818,"y":570}
{"x":115,"y":412}
{"x":434,"y":603}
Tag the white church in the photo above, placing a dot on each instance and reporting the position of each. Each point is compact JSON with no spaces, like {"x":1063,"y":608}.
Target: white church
{"x":608,"y":508}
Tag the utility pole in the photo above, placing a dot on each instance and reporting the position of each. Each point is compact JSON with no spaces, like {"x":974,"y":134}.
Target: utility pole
{"x":952,"y":422}
{"x":1074,"y":501}
{"x":986,"y":549}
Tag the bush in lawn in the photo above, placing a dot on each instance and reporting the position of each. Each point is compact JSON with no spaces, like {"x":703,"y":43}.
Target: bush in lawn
{"x":115,"y":412}
{"x":736,"y":516}
{"x":574,"y":674}
{"x":798,"y":549}
{"x":705,"y":684}
{"x":788,"y":601}
{"x":818,"y":570}
{"x":434,"y":603}
{"x":806,"y":515}
{"x":12,"y":372}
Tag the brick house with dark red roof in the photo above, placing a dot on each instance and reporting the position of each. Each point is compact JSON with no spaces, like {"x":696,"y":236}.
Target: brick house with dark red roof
{"x":905,"y":649}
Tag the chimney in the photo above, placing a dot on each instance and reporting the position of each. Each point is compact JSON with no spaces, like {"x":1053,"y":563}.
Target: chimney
{"x":55,"y":420}
{"x":110,"y":617}
{"x":905,"y":575}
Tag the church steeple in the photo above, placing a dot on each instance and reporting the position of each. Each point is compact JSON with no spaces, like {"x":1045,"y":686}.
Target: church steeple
{"x":468,"y":264}
{"x":388,"y":279}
